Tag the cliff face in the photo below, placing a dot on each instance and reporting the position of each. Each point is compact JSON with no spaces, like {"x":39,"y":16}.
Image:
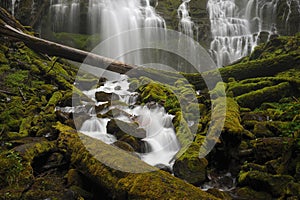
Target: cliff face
{"x":288,"y":17}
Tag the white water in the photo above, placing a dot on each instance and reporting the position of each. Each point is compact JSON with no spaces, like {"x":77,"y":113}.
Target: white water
{"x":13,"y":5}
{"x":186,"y":25}
{"x":236,"y":25}
{"x":96,"y":128}
{"x":113,"y":17}
{"x":160,"y":135}
{"x":65,"y":15}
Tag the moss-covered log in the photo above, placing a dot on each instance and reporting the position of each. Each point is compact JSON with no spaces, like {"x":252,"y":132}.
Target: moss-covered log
{"x":134,"y":184}
{"x":267,"y":94}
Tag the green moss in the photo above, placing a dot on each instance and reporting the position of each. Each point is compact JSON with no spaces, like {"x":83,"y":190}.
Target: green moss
{"x":268,"y":94}
{"x":78,"y":41}
{"x":3,"y":59}
{"x":239,"y":88}
{"x":53,"y":101}
{"x":16,"y":79}
{"x":11,"y":168}
{"x":260,"y":181}
{"x":227,"y":109}
{"x":218,"y":91}
{"x":249,"y":193}
{"x":156,"y":184}
{"x":153,"y":92}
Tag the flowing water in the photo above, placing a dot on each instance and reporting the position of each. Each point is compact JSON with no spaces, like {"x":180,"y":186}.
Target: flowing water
{"x":160,"y":139}
{"x":65,"y":15}
{"x":236,"y":25}
{"x":186,"y":25}
{"x":111,"y":18}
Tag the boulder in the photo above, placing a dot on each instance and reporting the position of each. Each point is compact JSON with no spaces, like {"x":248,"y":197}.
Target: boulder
{"x":261,"y":181}
{"x":120,"y":128}
{"x":266,"y":149}
{"x":189,"y":166}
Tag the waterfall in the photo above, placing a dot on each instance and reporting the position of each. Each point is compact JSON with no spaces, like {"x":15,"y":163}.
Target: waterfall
{"x":113,"y":17}
{"x":185,"y":23}
{"x":236,"y":25}
{"x":65,"y":15}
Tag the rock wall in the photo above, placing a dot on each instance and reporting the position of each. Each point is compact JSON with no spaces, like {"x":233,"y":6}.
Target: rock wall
{"x":288,"y":17}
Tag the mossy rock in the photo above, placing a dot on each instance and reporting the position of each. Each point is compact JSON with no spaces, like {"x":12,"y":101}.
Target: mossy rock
{"x":239,"y":88}
{"x":248,"y":193}
{"x":227,"y":113}
{"x":268,"y":94}
{"x":192,"y":169}
{"x":265,"y":149}
{"x":120,"y":128}
{"x":121,"y":184}
{"x":189,"y":166}
{"x":261,"y":130}
{"x":124,"y":146}
{"x":261,"y":181}
{"x":103,"y":96}
{"x":220,"y":194}
{"x":253,"y":166}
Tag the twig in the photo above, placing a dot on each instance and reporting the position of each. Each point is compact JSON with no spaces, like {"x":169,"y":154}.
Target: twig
{"x":54,"y":60}
{"x":9,"y":93}
{"x":21,"y":93}
{"x":295,"y":98}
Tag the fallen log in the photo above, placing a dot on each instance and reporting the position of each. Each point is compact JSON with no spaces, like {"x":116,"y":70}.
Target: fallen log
{"x":254,"y":68}
{"x":9,"y":27}
{"x":123,"y":175}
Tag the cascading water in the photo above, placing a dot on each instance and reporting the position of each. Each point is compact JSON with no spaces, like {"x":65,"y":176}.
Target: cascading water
{"x":186,"y":25}
{"x":111,"y":18}
{"x":236,"y":25}
{"x":96,"y":128}
{"x":65,"y":15}
{"x":161,"y":141}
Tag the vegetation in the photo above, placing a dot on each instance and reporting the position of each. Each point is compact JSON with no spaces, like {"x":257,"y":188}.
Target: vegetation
{"x":43,"y":156}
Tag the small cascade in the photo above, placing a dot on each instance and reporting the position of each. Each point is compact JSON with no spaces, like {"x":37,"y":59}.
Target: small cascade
{"x":65,"y":15}
{"x":96,"y":128}
{"x":160,"y":140}
{"x":186,"y":25}
{"x":236,"y":25}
